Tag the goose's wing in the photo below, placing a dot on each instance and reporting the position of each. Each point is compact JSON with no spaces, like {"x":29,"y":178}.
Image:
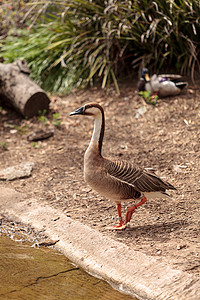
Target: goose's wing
{"x":141,"y":180}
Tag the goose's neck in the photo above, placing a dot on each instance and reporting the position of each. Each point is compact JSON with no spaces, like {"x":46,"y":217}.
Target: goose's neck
{"x":98,"y":133}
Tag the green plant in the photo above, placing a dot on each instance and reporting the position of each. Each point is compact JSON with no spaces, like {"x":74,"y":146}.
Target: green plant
{"x":42,"y":112}
{"x":81,"y":42}
{"x":42,"y":119}
{"x":41,"y":116}
{"x":34,"y":144}
{"x":21,"y":129}
{"x":56,"y":119}
{"x":4,"y":146}
{"x":150,"y":99}
{"x":37,"y":145}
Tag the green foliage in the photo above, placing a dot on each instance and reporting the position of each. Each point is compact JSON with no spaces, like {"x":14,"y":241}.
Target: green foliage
{"x":81,"y":42}
{"x":41,"y":116}
{"x":42,"y":119}
{"x":11,"y":12}
{"x":21,"y":129}
{"x":34,"y":144}
{"x":56,"y":119}
{"x":42,"y":112}
{"x":4,"y":146}
{"x":150,"y":99}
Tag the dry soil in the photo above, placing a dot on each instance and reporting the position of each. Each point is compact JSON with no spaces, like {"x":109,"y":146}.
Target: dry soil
{"x":165,"y":137}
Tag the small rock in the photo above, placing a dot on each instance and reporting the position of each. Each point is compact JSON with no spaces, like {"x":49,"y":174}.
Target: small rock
{"x":123,"y":146}
{"x":15,"y":172}
{"x":13,"y":131}
{"x":179,"y":168}
{"x":179,"y":247}
{"x":40,"y":135}
{"x":86,"y":190}
{"x":45,"y":243}
{"x":140,"y":111}
{"x":56,"y":219}
{"x":191,"y":91}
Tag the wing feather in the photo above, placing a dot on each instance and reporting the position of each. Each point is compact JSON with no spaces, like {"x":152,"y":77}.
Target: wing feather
{"x":141,"y":180}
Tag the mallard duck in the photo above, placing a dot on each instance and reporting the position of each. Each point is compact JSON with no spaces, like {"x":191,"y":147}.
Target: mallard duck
{"x":162,"y":85}
{"x":117,"y":180}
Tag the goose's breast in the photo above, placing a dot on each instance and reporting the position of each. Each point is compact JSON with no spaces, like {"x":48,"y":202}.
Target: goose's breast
{"x":105,"y":185}
{"x":96,"y":175}
{"x":94,"y":172}
{"x":97,"y":178}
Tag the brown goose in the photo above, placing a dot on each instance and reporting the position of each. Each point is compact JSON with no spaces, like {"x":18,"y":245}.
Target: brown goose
{"x":117,"y":180}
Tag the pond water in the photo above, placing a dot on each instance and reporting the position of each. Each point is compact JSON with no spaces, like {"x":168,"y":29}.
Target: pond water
{"x":29,"y":273}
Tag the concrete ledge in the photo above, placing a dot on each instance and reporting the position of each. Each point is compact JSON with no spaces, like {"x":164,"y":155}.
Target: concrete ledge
{"x":128,"y":270}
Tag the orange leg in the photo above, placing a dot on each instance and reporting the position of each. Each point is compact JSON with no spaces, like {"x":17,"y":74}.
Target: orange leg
{"x":132,"y":208}
{"x":121,"y":225}
{"x":119,"y":211}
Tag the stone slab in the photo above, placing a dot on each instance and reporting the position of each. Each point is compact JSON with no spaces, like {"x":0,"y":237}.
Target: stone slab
{"x":130,"y":271}
{"x":16,"y":172}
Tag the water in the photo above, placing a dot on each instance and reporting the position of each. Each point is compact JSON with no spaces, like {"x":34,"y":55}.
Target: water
{"x":28,"y":273}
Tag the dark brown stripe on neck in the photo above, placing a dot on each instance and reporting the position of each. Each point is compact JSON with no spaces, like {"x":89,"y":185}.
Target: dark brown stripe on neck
{"x":102,"y":131}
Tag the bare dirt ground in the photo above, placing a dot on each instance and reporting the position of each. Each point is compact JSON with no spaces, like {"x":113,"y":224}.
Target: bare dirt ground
{"x":166,"y":137}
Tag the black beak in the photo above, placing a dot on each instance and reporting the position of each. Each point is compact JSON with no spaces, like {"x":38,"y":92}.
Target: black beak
{"x":79,"y":111}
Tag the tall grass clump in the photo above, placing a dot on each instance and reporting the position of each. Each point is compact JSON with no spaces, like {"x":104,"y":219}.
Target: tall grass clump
{"x":81,"y":42}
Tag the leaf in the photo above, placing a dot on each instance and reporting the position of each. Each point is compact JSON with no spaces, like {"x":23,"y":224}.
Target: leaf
{"x":115,"y":81}
{"x":106,"y":73}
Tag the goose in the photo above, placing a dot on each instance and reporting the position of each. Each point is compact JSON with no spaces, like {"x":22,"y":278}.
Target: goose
{"x":117,"y":180}
{"x":162,"y":85}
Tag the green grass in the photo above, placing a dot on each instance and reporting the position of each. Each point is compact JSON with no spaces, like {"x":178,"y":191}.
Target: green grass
{"x":56,"y":119}
{"x":4,"y":146}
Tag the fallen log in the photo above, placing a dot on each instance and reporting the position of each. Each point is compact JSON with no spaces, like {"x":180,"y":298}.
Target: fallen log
{"x":20,"y":91}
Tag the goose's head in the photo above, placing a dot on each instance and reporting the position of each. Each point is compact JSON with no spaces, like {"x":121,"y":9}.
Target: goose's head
{"x":90,"y":109}
{"x":145,"y":74}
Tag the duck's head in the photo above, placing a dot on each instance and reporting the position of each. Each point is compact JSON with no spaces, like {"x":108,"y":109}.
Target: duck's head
{"x":90,"y":109}
{"x":145,"y":74}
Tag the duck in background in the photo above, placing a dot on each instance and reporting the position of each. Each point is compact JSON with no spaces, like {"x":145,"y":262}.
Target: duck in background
{"x":162,"y":85}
